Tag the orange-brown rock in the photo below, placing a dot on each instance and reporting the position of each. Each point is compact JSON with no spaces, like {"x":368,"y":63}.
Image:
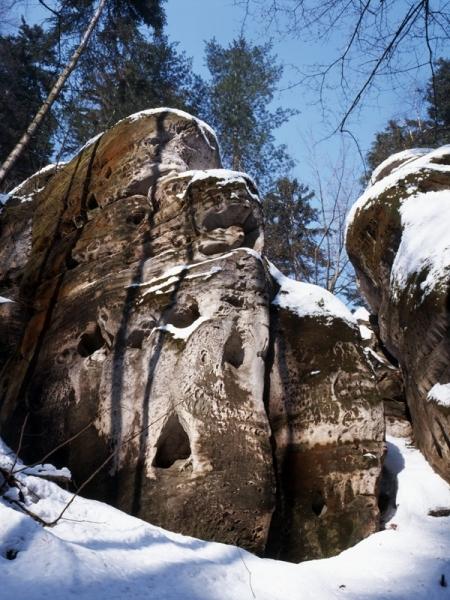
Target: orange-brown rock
{"x":151,"y":342}
{"x":327,"y":422}
{"x":398,"y":240}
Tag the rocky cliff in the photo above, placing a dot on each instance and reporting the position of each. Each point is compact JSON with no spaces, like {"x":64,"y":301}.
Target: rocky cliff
{"x":398,"y":241}
{"x":214,"y":396}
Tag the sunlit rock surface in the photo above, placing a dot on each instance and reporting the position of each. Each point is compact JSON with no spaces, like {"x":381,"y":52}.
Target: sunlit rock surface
{"x":327,"y":422}
{"x":16,"y":217}
{"x":388,"y":376}
{"x":398,"y":239}
{"x":160,"y":341}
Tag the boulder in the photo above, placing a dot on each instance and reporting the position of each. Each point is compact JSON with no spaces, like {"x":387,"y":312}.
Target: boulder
{"x":152,"y":343}
{"x":327,"y":423}
{"x":398,"y":240}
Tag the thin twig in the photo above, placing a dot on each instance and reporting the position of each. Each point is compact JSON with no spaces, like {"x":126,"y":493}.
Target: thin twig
{"x":58,"y":447}
{"x":110,"y":457}
{"x":249,"y":573}
{"x":19,"y":448}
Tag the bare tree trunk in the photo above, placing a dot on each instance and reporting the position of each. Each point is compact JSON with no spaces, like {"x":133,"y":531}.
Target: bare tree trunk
{"x":54,"y":93}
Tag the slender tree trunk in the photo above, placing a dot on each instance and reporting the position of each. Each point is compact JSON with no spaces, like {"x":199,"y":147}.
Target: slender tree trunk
{"x":54,"y":93}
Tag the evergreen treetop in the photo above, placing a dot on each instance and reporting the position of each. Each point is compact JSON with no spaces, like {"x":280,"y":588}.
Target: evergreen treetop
{"x":244,"y":78}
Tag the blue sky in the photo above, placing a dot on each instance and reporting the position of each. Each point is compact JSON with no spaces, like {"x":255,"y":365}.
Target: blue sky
{"x":192,"y":22}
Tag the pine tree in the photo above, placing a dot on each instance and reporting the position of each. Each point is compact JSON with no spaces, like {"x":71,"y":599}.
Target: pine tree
{"x":292,"y":230}
{"x":122,"y":17}
{"x":412,"y":133}
{"x":243,"y":82}
{"x":116,"y":79}
{"x":398,"y":136}
{"x":27,"y":64}
{"x":438,"y":98}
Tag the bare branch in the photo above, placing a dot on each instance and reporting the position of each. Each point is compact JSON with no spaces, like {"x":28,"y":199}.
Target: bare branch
{"x":19,"y":448}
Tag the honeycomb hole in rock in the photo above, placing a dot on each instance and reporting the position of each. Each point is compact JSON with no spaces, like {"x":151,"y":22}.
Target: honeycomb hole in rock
{"x":233,"y":300}
{"x":91,"y":341}
{"x":233,"y":352}
{"x":183,"y":314}
{"x":233,"y":214}
{"x":136,"y":217}
{"x":173,"y":444}
{"x":92,"y":203}
{"x":136,"y":338}
{"x":71,"y":263}
{"x":318,"y":504}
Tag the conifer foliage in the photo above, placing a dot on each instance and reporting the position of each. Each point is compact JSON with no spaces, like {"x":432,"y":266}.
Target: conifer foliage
{"x":113,"y":24}
{"x":27,"y":63}
{"x":117,"y":79}
{"x":243,"y":82}
{"x":291,"y":230}
{"x":129,"y":66}
{"x":431,"y":132}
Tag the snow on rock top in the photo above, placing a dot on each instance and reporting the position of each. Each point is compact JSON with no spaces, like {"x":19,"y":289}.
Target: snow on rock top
{"x":425,"y":243}
{"x":410,"y":167}
{"x":425,"y":220}
{"x":180,"y":113}
{"x":90,"y":142}
{"x":222,"y":176}
{"x":397,"y":160}
{"x":96,"y":552}
{"x":361,"y":314}
{"x":440,"y":394}
{"x":183,"y":333}
{"x":365,"y":332}
{"x":157,"y":111}
{"x":307,"y":299}
{"x":50,"y":167}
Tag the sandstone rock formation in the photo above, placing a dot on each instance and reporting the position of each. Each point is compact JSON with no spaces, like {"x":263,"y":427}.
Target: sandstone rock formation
{"x":151,"y":339}
{"x":327,"y":422}
{"x":15,"y":249}
{"x":398,"y":240}
{"x":388,"y":376}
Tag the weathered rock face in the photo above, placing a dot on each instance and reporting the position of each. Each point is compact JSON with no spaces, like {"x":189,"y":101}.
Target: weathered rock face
{"x":150,"y":333}
{"x":398,"y":241}
{"x":388,"y":376}
{"x":15,"y":249}
{"x":327,"y":422}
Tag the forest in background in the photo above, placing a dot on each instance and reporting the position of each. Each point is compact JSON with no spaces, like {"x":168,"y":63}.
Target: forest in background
{"x":129,"y":64}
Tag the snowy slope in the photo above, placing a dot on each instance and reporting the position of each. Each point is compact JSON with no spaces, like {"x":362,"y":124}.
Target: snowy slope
{"x":97,"y":552}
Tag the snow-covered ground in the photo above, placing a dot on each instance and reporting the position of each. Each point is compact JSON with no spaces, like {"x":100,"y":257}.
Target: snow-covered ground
{"x":99,"y":553}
